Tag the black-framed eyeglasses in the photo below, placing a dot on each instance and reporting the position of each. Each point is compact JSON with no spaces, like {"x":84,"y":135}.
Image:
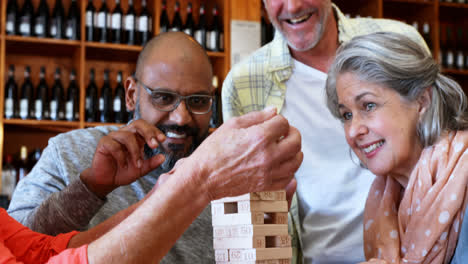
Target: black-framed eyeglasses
{"x":168,"y":101}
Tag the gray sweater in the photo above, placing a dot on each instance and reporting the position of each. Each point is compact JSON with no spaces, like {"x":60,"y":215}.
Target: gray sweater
{"x":52,"y":199}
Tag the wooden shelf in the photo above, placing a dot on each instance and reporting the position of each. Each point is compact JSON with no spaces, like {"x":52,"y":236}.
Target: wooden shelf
{"x":454,"y":5}
{"x":419,"y":2}
{"x":95,"y":124}
{"x":455,"y":71}
{"x":36,"y":40}
{"x":32,"y":122}
{"x":112,"y":46}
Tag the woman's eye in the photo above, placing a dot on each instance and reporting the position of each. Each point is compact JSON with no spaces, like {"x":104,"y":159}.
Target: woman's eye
{"x":347,"y":116}
{"x":369,"y":106}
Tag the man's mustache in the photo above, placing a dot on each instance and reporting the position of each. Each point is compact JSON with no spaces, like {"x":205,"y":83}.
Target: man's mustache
{"x":187,"y":130}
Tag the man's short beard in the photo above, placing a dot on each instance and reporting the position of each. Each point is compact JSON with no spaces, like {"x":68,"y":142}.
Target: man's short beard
{"x":175,"y":151}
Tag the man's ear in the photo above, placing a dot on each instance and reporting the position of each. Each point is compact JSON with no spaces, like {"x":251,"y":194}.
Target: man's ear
{"x":130,"y":93}
{"x":424,"y":101}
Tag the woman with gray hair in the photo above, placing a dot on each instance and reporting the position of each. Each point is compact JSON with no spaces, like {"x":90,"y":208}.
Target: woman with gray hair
{"x":406,"y":122}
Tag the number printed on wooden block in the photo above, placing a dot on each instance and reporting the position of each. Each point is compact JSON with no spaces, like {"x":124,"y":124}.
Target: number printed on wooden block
{"x":221,"y":255}
{"x":262,"y":206}
{"x":250,"y":230}
{"x":278,"y":241}
{"x":276,"y":218}
{"x":238,"y":242}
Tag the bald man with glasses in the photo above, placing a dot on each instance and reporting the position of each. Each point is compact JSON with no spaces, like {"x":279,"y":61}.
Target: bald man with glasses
{"x":87,"y":175}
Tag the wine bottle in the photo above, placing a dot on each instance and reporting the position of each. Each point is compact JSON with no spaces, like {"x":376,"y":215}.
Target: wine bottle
{"x":101,"y":25}
{"x":164,"y":19}
{"x":215,"y":34}
{"x":144,"y":25}
{"x":90,"y":21}
{"x":27,"y":96}
{"x":33,"y":158}
{"x":11,"y":95}
{"x":26,"y":19}
{"x":189,"y":26}
{"x":56,"y":101}
{"x":427,"y":34}
{"x":200,"y":32}
{"x":459,"y":57}
{"x":73,"y":28}
{"x":42,"y":97}
{"x":57,"y":23}
{"x":105,"y":100}
{"x":22,"y":168}
{"x":116,"y":23}
{"x":12,"y":18}
{"x":176,"y":24}
{"x":120,"y":111}
{"x":8,"y":176}
{"x":91,"y":102}
{"x":72,"y":107}
{"x":41,"y":21}
{"x":129,"y":25}
{"x":449,"y":55}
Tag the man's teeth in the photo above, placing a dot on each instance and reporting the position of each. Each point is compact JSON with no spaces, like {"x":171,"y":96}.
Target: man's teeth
{"x":299,"y":19}
{"x":174,"y":135}
{"x":373,"y":147}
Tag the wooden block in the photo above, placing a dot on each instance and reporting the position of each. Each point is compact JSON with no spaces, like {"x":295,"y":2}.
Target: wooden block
{"x":221,"y":255}
{"x":266,"y":261}
{"x":278,"y":241}
{"x":223,"y":208}
{"x":259,"y":254}
{"x":276,"y":218}
{"x":253,"y":218}
{"x":267,"y":196}
{"x":262,"y":206}
{"x":250,"y":230}
{"x":238,"y":242}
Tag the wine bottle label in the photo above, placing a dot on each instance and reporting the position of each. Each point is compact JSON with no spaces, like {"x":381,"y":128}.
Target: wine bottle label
{"x":69,"y":30}
{"x":69,"y":110}
{"x":117,"y":105}
{"x":101,"y":20}
{"x":24,"y":108}
{"x":24,"y":26}
{"x":460,"y":60}
{"x":450,"y":59}
{"x":61,"y":114}
{"x":211,"y":40}
{"x":101,"y":104}
{"x":10,"y":24}
{"x":53,"y":109}
{"x":88,"y":103}
{"x":116,"y":18}
{"x":89,"y":18}
{"x":143,"y":24}
{"x":8,"y":181}
{"x":53,"y":28}
{"x":38,"y":107}
{"x":198,"y":36}
{"x":129,"y":22}
{"x":39,"y":29}
{"x":9,"y":107}
{"x":188,"y":31}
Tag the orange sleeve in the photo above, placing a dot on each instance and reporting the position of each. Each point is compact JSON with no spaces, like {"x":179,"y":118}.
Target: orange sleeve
{"x":28,"y":246}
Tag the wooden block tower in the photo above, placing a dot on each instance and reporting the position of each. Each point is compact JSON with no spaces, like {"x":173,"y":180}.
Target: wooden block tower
{"x":252,"y":228}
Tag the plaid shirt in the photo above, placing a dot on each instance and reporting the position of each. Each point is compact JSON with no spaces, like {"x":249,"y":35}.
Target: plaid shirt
{"x":260,"y":81}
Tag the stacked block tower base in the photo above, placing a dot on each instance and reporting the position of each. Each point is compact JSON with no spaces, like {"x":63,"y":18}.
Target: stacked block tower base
{"x":252,"y":228}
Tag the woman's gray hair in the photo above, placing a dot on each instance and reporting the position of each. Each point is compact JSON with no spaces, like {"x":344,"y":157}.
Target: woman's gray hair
{"x":397,"y":62}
